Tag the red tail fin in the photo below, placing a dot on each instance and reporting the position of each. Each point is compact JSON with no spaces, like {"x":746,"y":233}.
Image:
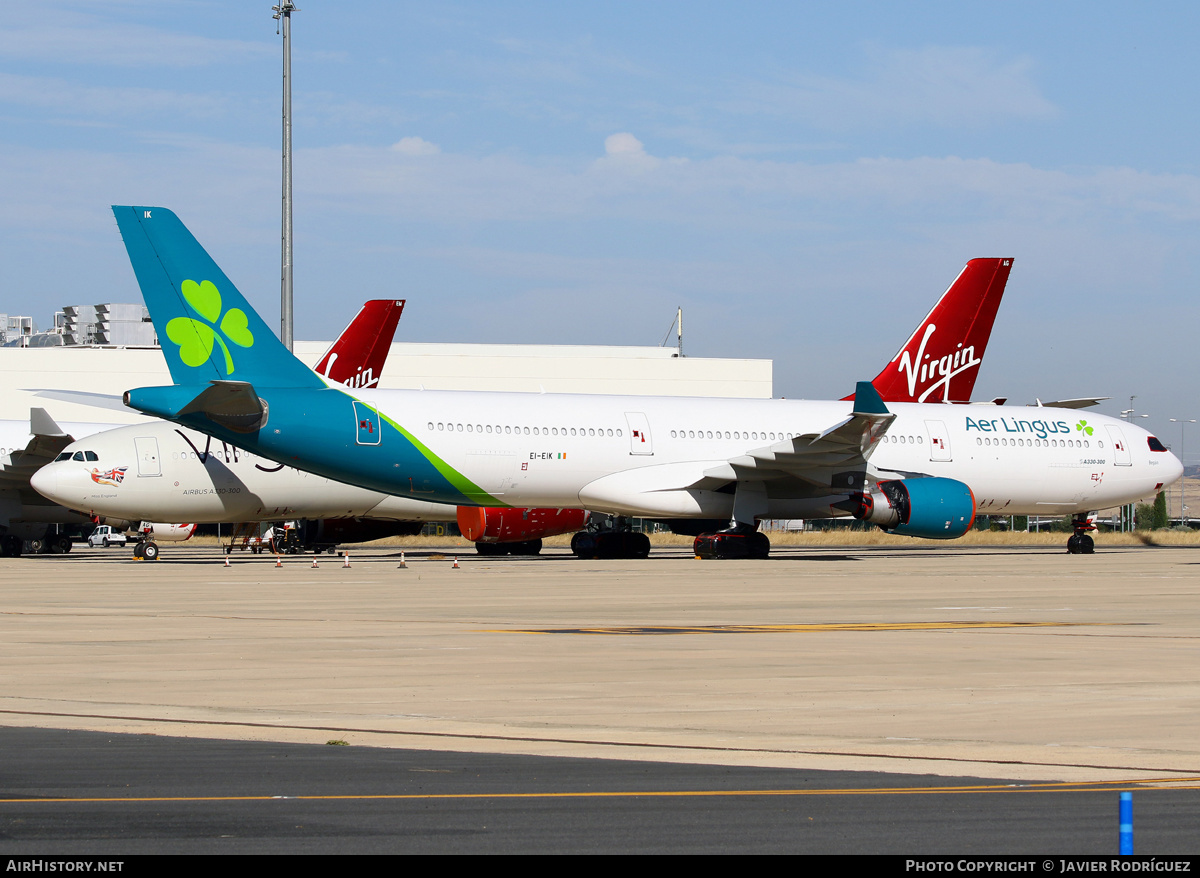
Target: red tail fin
{"x":356,"y":359}
{"x":940,"y":361}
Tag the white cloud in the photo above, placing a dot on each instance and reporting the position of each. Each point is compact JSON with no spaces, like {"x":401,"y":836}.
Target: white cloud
{"x":952,"y":87}
{"x":415,"y":146}
{"x":62,"y":96}
{"x":77,"y":40}
{"x":623,"y":144}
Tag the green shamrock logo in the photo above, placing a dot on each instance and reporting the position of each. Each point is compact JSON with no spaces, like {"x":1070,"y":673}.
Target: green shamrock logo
{"x":196,"y":338}
{"x":1083,"y":427}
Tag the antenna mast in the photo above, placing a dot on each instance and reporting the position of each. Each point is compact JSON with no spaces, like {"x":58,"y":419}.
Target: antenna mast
{"x":676,"y":324}
{"x":284,"y":12}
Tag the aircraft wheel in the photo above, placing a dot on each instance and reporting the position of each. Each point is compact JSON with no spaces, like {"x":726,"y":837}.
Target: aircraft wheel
{"x":490,"y":549}
{"x":640,"y":546}
{"x":150,"y":551}
{"x":138,"y":551}
{"x":583,"y":544}
{"x":37,"y":547}
{"x":1073,"y":544}
{"x":1087,"y":546}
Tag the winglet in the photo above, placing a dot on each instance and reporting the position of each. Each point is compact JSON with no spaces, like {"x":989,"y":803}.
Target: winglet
{"x":41,"y":424}
{"x":867,"y":400}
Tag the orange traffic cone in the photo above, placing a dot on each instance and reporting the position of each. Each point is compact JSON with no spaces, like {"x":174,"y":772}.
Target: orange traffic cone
{"x":456,"y":563}
{"x":314,"y":567}
{"x":278,"y":560}
{"x":345,"y":560}
{"x":403,"y":564}
{"x":226,"y":560}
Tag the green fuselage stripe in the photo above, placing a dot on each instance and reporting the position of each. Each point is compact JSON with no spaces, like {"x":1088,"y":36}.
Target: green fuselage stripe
{"x":461,"y":483}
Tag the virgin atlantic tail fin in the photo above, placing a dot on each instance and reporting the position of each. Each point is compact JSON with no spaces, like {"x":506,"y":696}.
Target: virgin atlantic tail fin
{"x":356,"y":359}
{"x":940,"y":361}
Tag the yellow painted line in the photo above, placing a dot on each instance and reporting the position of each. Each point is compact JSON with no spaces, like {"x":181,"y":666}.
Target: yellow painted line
{"x":1189,"y":783}
{"x":775,"y":629}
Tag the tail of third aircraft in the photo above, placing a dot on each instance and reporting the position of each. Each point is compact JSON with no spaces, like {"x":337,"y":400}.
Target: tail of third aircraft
{"x":940,"y":361}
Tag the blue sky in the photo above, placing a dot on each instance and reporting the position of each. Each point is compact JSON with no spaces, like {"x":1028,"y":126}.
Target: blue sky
{"x":803,"y":181}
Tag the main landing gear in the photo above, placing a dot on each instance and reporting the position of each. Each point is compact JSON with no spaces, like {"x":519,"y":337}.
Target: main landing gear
{"x":610,"y":538}
{"x":740,"y":541}
{"x":1080,"y":543}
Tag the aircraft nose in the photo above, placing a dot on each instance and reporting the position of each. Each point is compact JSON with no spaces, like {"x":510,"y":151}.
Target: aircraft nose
{"x":1176,"y":469}
{"x":45,"y":481}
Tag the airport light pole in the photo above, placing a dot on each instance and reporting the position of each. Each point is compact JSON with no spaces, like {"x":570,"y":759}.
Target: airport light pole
{"x":283,"y":14}
{"x":1182,"y":422}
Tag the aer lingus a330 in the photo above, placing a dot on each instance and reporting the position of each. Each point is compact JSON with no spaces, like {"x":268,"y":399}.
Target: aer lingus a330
{"x":919,"y":469}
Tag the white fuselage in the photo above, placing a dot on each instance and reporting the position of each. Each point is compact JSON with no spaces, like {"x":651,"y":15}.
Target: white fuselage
{"x":658,"y":457}
{"x":645,"y":455}
{"x":162,"y":472}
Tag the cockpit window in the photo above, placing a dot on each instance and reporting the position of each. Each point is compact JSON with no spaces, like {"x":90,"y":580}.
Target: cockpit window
{"x":90,"y":455}
{"x":78,"y":455}
{"x":1154,"y":444}
{"x":66,"y":455}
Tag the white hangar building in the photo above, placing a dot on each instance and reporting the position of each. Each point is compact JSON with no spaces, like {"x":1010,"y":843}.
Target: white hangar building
{"x":636,"y":371}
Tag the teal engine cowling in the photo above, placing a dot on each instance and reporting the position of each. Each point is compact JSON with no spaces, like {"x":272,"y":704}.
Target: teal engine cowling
{"x":934,"y":508}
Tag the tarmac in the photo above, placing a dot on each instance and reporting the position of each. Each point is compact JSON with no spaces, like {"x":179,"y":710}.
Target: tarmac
{"x":1029,"y":664}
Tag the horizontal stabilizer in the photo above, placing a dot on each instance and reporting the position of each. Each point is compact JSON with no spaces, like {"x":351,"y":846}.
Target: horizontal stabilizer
{"x":231,"y":404}
{"x":81,"y":397}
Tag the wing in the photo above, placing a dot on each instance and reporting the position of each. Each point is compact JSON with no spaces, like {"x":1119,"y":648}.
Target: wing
{"x":48,"y":439}
{"x":816,"y":458}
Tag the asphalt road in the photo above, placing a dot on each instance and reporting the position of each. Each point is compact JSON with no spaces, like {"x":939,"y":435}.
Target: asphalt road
{"x":67,"y":792}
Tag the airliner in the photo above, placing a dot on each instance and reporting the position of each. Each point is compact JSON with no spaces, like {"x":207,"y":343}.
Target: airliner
{"x":188,"y":476}
{"x":917,"y":469}
{"x":354,"y":359}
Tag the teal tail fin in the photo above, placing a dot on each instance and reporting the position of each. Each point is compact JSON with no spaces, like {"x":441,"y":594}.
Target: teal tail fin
{"x":207,"y":330}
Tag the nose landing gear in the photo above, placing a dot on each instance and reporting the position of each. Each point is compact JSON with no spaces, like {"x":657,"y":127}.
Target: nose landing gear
{"x":1080,"y":542}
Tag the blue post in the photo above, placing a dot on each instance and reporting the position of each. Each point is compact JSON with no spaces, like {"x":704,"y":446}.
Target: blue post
{"x":1126,"y":823}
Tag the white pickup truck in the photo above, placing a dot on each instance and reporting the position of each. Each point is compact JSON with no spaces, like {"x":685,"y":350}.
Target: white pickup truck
{"x":105,"y":535}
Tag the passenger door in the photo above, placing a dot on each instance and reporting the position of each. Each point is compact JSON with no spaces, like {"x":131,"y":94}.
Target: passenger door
{"x":939,"y":440}
{"x":149,"y":463}
{"x":640,"y":440}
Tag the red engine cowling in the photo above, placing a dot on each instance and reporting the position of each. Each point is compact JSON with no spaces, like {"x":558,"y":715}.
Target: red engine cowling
{"x":492,"y":525}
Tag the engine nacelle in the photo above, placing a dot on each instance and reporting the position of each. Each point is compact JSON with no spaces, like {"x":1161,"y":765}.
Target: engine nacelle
{"x":498,"y":525}
{"x":936,"y":508}
{"x":159,"y":532}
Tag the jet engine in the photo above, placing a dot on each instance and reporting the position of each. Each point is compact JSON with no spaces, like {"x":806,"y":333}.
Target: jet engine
{"x":491,"y":528}
{"x":934,"y":508}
